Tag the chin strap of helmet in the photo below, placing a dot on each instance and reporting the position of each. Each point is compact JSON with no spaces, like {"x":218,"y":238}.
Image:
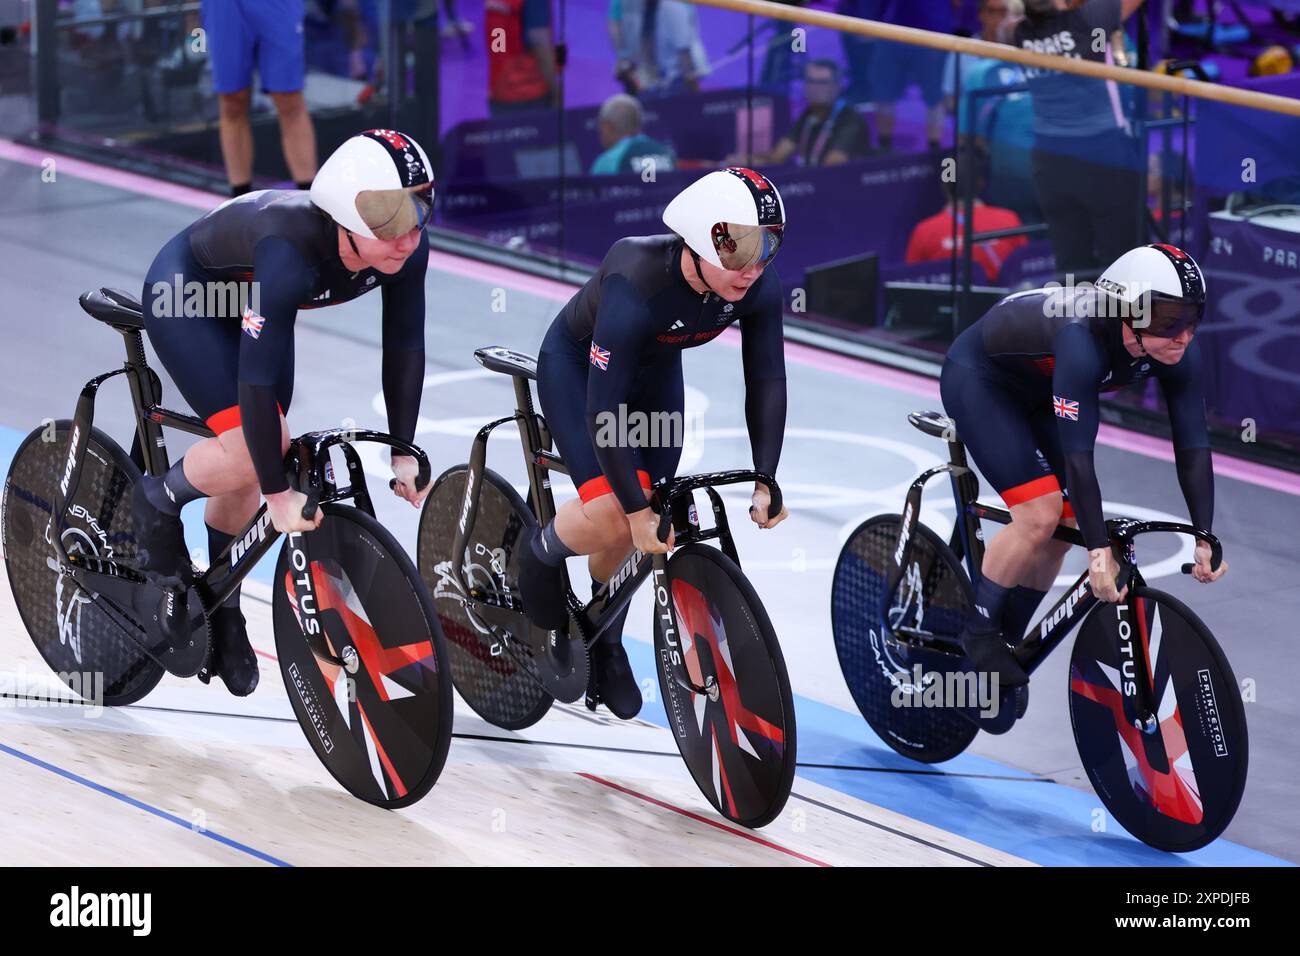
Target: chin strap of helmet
{"x":1138,"y":337}
{"x":353,"y":243}
{"x":696,"y":259}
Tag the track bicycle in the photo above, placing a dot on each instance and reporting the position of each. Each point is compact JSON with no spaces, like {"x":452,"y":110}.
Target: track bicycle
{"x":358,"y":642}
{"x":1156,"y":710}
{"x":721,"y":673}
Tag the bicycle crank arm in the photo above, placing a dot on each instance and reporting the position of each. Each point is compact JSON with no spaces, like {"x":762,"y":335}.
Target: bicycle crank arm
{"x":132,"y":605}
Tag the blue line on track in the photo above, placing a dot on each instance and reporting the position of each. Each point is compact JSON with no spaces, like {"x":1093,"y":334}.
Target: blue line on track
{"x":139,"y":805}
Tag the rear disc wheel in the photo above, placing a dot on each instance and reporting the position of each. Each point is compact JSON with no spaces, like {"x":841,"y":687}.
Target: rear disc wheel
{"x":78,"y":641}
{"x":502,"y":685}
{"x":879,"y":669}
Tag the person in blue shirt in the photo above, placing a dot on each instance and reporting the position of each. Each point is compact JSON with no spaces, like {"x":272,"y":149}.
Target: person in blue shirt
{"x":1086,"y":162}
{"x":895,"y":66}
{"x":628,"y":151}
{"x":1002,"y":125}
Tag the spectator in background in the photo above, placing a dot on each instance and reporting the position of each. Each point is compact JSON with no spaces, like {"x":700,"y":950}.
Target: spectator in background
{"x":521,"y":56}
{"x":1086,"y":162}
{"x":1002,"y":126}
{"x":828,"y":132}
{"x":777,"y":72}
{"x":932,"y":239}
{"x":679,"y":54}
{"x":627,"y":150}
{"x":896,"y":66}
{"x":453,"y":24}
{"x":266,"y":34}
{"x":858,"y":49}
{"x":629,"y":32}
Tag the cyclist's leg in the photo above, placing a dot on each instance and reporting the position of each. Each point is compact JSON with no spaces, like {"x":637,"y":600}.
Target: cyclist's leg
{"x":201,"y":354}
{"x":659,"y":396}
{"x":1037,"y":579}
{"x":222,"y":463}
{"x":995,"y":428}
{"x":562,"y":393}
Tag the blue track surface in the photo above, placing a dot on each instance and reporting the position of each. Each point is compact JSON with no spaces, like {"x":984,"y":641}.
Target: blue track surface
{"x":980,"y":799}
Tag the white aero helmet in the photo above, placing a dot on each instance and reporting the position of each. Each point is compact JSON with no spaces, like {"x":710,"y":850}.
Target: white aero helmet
{"x":1159,"y":289}
{"x":378,"y":184}
{"x":732,"y":219}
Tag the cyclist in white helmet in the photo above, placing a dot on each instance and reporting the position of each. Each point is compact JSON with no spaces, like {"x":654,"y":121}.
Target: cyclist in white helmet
{"x":272,"y":253}
{"x":1023,"y":385}
{"x":618,"y":344}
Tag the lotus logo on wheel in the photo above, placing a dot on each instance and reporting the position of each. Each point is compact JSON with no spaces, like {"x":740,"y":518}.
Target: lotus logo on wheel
{"x":666,"y":618}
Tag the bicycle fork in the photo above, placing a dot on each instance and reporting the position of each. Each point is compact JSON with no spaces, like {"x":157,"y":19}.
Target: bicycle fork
{"x":666,"y":616}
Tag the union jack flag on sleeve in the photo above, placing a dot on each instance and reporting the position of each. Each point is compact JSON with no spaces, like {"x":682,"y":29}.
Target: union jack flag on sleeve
{"x":1064,"y":408}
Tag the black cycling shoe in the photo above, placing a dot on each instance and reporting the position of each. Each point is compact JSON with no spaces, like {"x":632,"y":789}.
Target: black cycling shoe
{"x":615,"y":684}
{"x":160,"y":542}
{"x":989,"y":653}
{"x":233,"y":658}
{"x":542,"y":588}
{"x":1011,"y":706}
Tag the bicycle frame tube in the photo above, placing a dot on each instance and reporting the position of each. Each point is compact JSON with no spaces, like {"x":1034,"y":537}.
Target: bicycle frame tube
{"x":907,"y":534}
{"x":537,"y":457}
{"x":312,"y":472}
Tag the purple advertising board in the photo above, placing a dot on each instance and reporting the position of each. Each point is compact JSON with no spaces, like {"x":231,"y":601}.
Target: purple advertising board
{"x":1251,"y":336}
{"x":833,"y":213}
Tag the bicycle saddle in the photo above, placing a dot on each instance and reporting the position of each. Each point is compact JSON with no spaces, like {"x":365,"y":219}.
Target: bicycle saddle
{"x":508,"y":361}
{"x":114,"y":307}
{"x":933,"y":423}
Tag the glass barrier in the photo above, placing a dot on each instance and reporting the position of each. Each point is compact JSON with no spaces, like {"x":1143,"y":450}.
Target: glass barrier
{"x":154,"y":77}
{"x":921,"y":186}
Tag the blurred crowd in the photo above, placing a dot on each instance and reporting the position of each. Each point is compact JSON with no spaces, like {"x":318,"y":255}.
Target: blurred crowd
{"x":1041,"y":147}
{"x":1052,"y":149}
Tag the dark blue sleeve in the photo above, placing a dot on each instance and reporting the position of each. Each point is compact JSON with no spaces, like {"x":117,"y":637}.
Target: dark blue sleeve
{"x":1105,"y":15}
{"x":762,"y":340}
{"x":537,"y":13}
{"x":1185,"y":399}
{"x":403,"y":331}
{"x":1080,"y":364}
{"x":622,"y":327}
{"x":283,"y":280}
